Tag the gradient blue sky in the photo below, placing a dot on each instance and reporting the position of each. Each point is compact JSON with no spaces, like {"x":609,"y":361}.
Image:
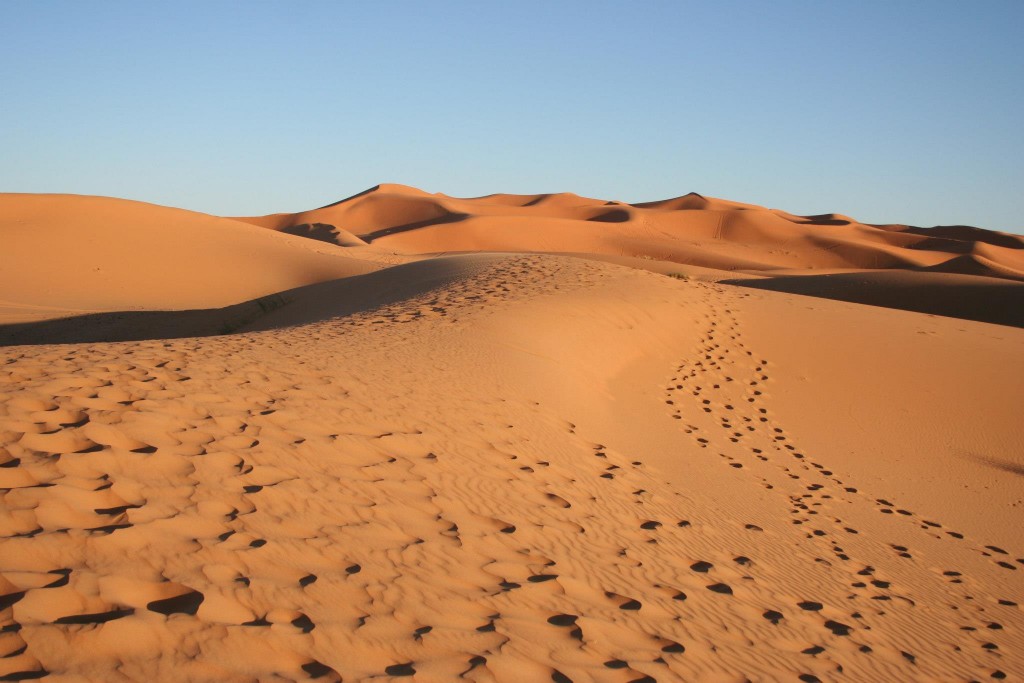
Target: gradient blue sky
{"x":888,"y":111}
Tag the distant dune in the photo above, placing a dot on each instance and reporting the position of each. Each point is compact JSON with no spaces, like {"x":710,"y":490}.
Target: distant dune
{"x":693,"y":230}
{"x":509,"y":438}
{"x":688,"y":230}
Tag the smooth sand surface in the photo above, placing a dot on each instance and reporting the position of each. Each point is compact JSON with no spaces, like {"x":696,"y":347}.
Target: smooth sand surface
{"x":345,"y":451}
{"x":86,"y":254}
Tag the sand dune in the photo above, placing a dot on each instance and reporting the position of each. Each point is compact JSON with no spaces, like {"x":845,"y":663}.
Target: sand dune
{"x":89,"y":254}
{"x":324,"y":452}
{"x":301,"y":305}
{"x":688,"y":229}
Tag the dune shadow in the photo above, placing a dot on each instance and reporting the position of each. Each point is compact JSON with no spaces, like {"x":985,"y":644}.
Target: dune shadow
{"x":823,"y":219}
{"x":325,"y":300}
{"x":946,"y":244}
{"x":983,"y":299}
{"x":969,"y":234}
{"x":1011,"y":467}
{"x":415,"y":225}
{"x":140,"y":325}
{"x":323,"y":232}
{"x":611,"y":216}
{"x":970,"y":264}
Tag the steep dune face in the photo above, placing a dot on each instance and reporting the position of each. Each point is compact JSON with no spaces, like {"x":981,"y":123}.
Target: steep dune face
{"x":72,"y":253}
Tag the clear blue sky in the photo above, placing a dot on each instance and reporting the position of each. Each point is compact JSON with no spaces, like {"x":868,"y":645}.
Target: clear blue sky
{"x":888,"y":111}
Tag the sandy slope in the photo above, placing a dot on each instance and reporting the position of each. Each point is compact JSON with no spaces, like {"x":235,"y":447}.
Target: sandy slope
{"x":84,"y":254}
{"x":509,"y":467}
{"x":895,"y":266}
{"x":690,"y":229}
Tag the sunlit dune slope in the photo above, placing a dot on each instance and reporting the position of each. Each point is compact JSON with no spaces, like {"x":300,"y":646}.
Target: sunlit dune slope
{"x":515,"y":467}
{"x":75,"y":253}
{"x":691,"y":229}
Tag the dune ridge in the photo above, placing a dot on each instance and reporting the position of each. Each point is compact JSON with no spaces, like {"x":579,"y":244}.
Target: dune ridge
{"x":693,"y":231}
{"x":687,"y":229}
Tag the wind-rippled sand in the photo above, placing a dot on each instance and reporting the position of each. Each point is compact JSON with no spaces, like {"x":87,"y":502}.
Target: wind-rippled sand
{"x":506,"y":467}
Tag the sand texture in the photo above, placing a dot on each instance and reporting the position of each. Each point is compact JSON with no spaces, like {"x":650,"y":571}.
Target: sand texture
{"x":512,"y":438}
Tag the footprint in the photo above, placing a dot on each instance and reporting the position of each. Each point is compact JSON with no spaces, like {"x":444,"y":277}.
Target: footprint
{"x":624,"y":602}
{"x":303,"y":623}
{"x":541,"y":578}
{"x":558,"y":500}
{"x":406,"y":669}
{"x":184,"y":603}
{"x":316,"y":669}
{"x":838,"y":628}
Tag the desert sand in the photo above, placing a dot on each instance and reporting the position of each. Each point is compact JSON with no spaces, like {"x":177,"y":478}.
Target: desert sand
{"x":510,"y":438}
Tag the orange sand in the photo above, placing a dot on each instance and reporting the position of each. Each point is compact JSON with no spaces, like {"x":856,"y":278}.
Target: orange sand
{"x":507,"y":439}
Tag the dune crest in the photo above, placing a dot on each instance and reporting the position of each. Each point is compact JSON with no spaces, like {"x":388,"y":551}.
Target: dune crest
{"x":694,"y":231}
{"x":690,"y":229}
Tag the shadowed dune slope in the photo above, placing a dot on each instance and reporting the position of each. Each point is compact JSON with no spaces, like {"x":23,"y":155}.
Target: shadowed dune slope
{"x":969,"y":297}
{"x":311,"y":303}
